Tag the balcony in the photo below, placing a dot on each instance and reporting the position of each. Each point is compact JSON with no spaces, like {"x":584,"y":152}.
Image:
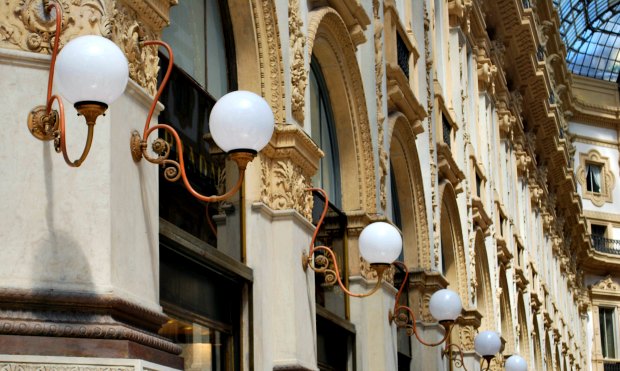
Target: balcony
{"x":606,"y":245}
{"x":611,"y":366}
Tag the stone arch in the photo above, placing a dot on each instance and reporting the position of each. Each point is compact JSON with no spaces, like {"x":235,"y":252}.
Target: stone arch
{"x":484,"y":291}
{"x":548,"y":353}
{"x":508,"y":329}
{"x":330,"y":43}
{"x":452,"y":245}
{"x":258,"y":51}
{"x":408,"y":177}
{"x":524,"y":334}
{"x":538,"y":357}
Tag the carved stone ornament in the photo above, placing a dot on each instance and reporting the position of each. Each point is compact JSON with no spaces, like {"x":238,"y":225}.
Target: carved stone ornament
{"x":383,"y":156}
{"x":26,"y":26}
{"x":288,"y":163}
{"x":299,"y":76}
{"x":607,"y":284}
{"x":486,"y":71}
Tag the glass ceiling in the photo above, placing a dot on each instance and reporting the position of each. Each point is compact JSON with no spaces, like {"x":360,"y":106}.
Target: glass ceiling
{"x":591,"y":31}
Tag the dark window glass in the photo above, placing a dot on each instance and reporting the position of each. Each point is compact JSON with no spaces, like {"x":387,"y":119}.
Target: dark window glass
{"x":403,"y":340}
{"x":196,"y":34}
{"x":323,"y":133}
{"x":402,"y":54}
{"x":608,"y":333}
{"x":598,"y":230}
{"x":447,"y":131}
{"x":334,"y":345}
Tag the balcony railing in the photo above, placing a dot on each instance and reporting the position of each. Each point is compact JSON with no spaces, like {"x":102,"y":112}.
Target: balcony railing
{"x":612,"y":366}
{"x":608,"y":246}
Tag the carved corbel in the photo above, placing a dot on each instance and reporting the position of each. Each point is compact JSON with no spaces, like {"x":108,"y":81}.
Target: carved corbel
{"x":458,"y":10}
{"x":506,"y":119}
{"x":486,"y":71}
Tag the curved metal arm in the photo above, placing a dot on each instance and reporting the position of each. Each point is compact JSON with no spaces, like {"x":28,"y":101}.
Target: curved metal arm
{"x":50,"y":78}
{"x":458,"y":362}
{"x":320,"y":263}
{"x":48,"y":124}
{"x":404,"y":317}
{"x":60,"y":144}
{"x":174,"y":170}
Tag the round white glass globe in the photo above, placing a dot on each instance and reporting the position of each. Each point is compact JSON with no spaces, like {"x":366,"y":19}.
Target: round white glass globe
{"x":91,"y":69}
{"x":487,"y":343}
{"x":241,"y":120}
{"x":380,"y":243}
{"x":445,"y":305}
{"x":516,"y":363}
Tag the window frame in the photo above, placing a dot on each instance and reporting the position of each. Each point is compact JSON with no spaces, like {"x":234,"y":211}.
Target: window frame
{"x":593,"y":157}
{"x":614,"y":325}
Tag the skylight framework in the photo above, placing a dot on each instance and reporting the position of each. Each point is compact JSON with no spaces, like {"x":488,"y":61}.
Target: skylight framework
{"x":591,"y":31}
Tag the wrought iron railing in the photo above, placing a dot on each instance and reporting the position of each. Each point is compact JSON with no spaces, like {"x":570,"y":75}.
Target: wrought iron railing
{"x":606,"y":245}
{"x":611,"y":366}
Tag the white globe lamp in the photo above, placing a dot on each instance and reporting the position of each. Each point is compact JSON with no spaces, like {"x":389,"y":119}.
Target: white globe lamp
{"x":380,"y":245}
{"x":516,"y":363}
{"x":241,"y":121}
{"x":91,"y":70}
{"x":445,"y":306}
{"x":487,"y":344}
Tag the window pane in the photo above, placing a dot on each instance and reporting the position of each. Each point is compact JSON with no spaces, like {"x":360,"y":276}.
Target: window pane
{"x":203,"y":348}
{"x":322,"y":131}
{"x":593,"y":178}
{"x":606,"y":323}
{"x":186,"y":35}
{"x":187,"y":110}
{"x":217,"y":74}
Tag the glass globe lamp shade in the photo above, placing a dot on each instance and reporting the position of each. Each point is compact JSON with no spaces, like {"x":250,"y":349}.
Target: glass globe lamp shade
{"x":380,"y":243}
{"x":516,"y":363}
{"x":445,"y":305}
{"x":487,"y":343}
{"x":91,"y":69}
{"x":241,"y":121}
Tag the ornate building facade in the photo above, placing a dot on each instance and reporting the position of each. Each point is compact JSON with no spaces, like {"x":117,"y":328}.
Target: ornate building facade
{"x":457,"y":121}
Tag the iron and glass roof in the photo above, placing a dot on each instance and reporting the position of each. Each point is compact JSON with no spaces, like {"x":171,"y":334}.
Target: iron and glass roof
{"x":591,"y":31}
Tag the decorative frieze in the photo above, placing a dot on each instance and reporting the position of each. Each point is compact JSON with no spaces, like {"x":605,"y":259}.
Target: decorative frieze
{"x":299,"y":75}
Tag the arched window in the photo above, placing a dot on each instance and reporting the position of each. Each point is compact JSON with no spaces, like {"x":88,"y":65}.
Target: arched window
{"x":403,"y":339}
{"x":335,"y":334}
